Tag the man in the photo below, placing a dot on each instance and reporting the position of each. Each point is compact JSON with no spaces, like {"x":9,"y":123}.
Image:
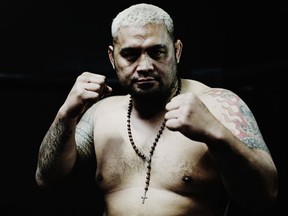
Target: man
{"x":170,"y":146}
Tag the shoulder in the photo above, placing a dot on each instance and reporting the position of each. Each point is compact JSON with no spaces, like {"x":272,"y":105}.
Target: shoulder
{"x":224,"y":104}
{"x":108,"y":107}
{"x":222,"y":98}
{"x":236,"y":115}
{"x":227,"y":106}
{"x":202,"y":90}
{"x":105,"y":110}
{"x":233,"y":112}
{"x":220,"y":95}
{"x":194,"y":86}
{"x":219,"y":101}
{"x":111,"y":104}
{"x":209,"y":94}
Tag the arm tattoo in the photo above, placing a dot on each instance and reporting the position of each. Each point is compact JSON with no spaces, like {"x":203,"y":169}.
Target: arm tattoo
{"x":237,"y":113}
{"x":52,"y":147}
{"x":85,"y":138}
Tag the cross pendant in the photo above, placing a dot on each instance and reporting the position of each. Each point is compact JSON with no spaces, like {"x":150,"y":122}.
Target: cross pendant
{"x":144,"y":197}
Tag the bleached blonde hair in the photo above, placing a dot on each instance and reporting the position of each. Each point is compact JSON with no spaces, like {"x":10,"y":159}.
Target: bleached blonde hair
{"x":140,"y":15}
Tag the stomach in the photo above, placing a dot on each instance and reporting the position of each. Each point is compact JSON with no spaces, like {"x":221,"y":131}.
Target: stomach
{"x":157,"y":202}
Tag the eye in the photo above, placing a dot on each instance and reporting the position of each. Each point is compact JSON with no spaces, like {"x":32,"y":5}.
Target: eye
{"x":130,"y":54}
{"x":157,"y":52}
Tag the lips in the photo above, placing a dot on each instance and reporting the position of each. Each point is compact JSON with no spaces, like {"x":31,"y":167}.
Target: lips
{"x":145,"y":80}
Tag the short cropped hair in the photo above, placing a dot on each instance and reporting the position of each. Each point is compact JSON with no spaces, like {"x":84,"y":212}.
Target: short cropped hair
{"x":140,"y":15}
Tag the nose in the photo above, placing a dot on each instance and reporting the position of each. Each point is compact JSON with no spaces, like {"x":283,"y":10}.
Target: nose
{"x":145,"y":63}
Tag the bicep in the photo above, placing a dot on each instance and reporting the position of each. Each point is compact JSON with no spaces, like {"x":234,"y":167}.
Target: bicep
{"x":250,"y":133}
{"x":235,"y":114}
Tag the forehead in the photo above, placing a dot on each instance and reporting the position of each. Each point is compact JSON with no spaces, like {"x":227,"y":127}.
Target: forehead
{"x":130,"y":36}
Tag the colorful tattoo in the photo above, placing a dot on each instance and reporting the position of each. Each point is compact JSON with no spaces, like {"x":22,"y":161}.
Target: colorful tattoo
{"x":237,"y":114}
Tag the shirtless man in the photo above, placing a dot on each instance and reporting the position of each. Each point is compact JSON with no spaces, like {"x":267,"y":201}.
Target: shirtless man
{"x":170,"y":146}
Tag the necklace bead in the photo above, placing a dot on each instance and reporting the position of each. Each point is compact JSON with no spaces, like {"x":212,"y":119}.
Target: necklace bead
{"x":147,"y":158}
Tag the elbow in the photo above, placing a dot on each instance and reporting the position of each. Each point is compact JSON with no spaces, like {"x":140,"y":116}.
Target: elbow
{"x":272,"y":194}
{"x":272,"y":185}
{"x":40,"y":180}
{"x":268,"y":189}
{"x":260,"y":205}
{"x":267,"y":199}
{"x":267,"y":204}
{"x":259,"y":196}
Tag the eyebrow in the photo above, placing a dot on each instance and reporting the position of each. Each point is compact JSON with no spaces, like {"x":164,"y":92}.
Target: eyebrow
{"x":158,"y":46}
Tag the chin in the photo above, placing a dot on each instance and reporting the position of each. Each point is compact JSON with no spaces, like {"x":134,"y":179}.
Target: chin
{"x":147,"y":94}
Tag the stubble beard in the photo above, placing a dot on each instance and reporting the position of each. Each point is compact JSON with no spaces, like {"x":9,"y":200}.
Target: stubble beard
{"x":157,"y":93}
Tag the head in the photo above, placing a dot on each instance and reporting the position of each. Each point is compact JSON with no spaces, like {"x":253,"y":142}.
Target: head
{"x":144,"y":52}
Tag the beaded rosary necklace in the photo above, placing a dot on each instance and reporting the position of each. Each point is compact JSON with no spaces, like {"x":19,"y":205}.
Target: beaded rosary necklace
{"x":146,"y":158}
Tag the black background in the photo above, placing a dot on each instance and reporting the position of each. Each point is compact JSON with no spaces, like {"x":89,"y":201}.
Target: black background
{"x":46,"y":44}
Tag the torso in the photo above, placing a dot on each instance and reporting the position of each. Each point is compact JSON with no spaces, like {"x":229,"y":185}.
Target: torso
{"x":183,"y":180}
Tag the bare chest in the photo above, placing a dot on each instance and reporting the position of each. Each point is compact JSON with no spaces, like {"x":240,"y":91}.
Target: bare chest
{"x":177,"y":163}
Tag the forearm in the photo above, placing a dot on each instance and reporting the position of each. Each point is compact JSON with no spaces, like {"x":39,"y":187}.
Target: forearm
{"x":57,"y":153}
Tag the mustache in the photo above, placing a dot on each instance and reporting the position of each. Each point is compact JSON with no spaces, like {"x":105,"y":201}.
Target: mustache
{"x":144,"y":78}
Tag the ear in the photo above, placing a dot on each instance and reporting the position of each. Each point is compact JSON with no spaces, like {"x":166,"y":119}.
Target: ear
{"x":110,"y":55}
{"x":178,"y":50}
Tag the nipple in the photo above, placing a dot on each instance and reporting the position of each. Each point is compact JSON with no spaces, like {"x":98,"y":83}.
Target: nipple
{"x":99,"y":177}
{"x":186,"y":179}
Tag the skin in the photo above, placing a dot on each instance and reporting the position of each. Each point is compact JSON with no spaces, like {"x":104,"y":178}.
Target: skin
{"x":211,"y":150}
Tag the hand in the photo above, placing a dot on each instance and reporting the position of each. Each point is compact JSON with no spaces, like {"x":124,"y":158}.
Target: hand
{"x":187,"y":114}
{"x":88,"y":89}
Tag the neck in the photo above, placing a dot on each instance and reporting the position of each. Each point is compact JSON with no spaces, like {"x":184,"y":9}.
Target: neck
{"x":149,"y":107}
{"x":153,"y":105}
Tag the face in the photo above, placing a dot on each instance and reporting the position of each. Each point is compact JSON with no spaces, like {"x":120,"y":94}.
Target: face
{"x":145,"y":59}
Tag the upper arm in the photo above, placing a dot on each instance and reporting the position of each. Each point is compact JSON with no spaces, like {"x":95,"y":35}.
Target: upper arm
{"x":86,"y":158}
{"x":235,"y":114}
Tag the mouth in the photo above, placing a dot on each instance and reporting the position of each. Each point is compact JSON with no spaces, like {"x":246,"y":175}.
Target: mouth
{"x":145,"y":82}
